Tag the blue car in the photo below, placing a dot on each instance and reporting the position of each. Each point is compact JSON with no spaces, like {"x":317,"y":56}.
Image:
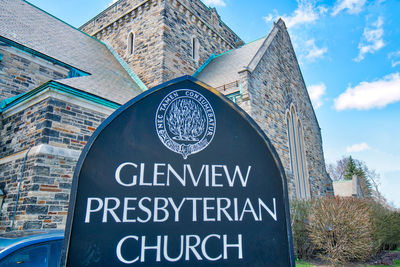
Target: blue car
{"x":31,"y":248}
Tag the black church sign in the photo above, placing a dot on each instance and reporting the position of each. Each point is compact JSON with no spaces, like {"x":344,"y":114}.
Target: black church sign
{"x":179,"y":176}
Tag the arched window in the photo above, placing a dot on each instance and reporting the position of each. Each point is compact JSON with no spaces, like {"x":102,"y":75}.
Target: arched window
{"x":290,"y":139}
{"x":195,"y":49}
{"x":131,"y":43}
{"x":297,"y":154}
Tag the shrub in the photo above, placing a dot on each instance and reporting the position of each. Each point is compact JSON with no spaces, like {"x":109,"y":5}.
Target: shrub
{"x":341,"y":229}
{"x":380,"y":227}
{"x":392,"y":240}
{"x":386,"y":227}
{"x":300,"y":212}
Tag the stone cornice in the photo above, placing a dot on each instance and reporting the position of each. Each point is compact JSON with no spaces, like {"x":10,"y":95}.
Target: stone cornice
{"x":50,"y":90}
{"x":43,"y":149}
{"x":131,"y":14}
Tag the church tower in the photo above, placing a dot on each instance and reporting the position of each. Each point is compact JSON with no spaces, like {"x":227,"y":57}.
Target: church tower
{"x":162,"y":39}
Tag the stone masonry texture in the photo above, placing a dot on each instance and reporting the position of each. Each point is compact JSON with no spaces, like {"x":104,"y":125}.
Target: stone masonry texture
{"x":21,"y":72}
{"x":44,"y":192}
{"x":163,"y":31}
{"x":273,"y":87}
{"x":50,"y":121}
{"x":46,"y":178}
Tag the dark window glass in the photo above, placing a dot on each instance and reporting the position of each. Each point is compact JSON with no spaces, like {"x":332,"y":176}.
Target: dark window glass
{"x":40,"y":255}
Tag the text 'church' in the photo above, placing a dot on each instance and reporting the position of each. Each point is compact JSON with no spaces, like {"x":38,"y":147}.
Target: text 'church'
{"x":58,"y":83}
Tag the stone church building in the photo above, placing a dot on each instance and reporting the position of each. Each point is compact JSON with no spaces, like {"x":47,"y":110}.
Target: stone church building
{"x":58,"y":83}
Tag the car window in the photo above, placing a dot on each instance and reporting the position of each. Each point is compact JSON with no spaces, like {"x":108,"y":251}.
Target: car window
{"x":55,"y":253}
{"x":41,"y":255}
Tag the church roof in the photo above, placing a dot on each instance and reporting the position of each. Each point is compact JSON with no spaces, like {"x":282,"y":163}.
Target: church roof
{"x":37,"y":30}
{"x":226,"y":68}
{"x":228,"y":64}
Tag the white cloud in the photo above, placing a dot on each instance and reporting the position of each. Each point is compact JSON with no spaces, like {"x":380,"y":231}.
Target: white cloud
{"x":214,"y":2}
{"x":372,"y":40}
{"x":357,"y":148}
{"x":306,"y":12}
{"x":271,"y":17}
{"x":352,"y":6}
{"x":395,"y":56}
{"x":112,"y":2}
{"x":367,"y":95}
{"x":316,"y":92}
{"x":314,"y":52}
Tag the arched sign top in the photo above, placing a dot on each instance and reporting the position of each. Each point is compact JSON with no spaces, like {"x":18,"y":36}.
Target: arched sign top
{"x":179,"y":176}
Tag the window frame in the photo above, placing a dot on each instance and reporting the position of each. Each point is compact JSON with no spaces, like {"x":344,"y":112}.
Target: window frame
{"x":298,"y":161}
{"x":195,"y":48}
{"x":131,"y":44}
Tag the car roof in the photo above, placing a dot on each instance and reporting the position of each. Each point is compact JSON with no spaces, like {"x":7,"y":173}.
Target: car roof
{"x":11,"y":241}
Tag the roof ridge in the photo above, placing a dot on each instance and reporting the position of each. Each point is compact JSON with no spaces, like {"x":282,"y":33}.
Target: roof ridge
{"x":261,"y":50}
{"x":242,"y":46}
{"x":204,"y":65}
{"x":15,"y":100}
{"x":47,"y":13}
{"x":253,"y":41}
{"x":46,"y":57}
{"x":126,"y":67}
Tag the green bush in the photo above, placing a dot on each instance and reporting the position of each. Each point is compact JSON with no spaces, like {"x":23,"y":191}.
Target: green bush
{"x":341,"y":229}
{"x":392,"y":236}
{"x":300,"y":212}
{"x":386,"y":227}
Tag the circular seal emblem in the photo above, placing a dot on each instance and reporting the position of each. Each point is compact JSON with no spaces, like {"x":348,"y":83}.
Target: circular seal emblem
{"x":185,"y":122}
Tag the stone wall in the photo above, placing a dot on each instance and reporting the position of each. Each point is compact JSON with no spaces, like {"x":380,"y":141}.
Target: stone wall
{"x":53,"y":131}
{"x":163,"y":32}
{"x":50,"y":121}
{"x":21,"y":72}
{"x":182,"y":23}
{"x":44,"y":191}
{"x":143,"y":19}
{"x":274,"y":85}
{"x":348,"y":188}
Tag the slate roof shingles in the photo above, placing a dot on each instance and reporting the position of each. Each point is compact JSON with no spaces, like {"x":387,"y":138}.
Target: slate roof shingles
{"x":225,"y":68}
{"x":29,"y":26}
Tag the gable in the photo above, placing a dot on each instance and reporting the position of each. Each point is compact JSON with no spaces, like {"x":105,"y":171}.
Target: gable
{"x":290,"y":82}
{"x":225,"y":68}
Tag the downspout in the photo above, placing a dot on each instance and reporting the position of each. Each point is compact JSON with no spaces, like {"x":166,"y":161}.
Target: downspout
{"x":19,"y":189}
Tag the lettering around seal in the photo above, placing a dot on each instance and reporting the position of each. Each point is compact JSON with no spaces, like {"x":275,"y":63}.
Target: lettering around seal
{"x":185,"y":122}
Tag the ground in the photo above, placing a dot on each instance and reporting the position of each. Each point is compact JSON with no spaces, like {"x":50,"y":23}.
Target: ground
{"x":385,"y":258}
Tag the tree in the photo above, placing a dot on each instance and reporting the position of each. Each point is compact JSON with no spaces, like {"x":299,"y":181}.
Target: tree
{"x":364,"y":182}
{"x":345,"y":168}
{"x":351,"y":169}
{"x":337,"y":171}
{"x":369,"y":179}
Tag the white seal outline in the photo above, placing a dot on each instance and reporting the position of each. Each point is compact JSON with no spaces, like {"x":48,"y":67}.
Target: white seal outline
{"x":184,"y":149}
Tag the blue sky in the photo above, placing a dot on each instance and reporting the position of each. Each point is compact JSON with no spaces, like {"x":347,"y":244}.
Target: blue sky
{"x":349,"y":53}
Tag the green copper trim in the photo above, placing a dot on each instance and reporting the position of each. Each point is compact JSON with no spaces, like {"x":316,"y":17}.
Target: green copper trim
{"x":53,"y":85}
{"x":233,"y":96}
{"x":197,"y":72}
{"x":73,"y":72}
{"x":133,"y":75}
{"x":87,"y":96}
{"x":5,"y":102}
